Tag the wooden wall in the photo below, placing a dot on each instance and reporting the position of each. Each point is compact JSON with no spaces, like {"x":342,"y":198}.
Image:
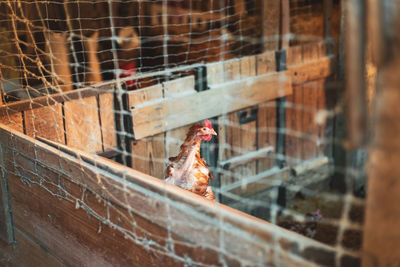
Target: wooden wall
{"x":244,"y":150}
{"x":70,"y":208}
{"x":82,"y":119}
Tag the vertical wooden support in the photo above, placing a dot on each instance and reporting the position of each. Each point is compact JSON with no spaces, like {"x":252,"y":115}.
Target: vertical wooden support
{"x":281,"y":66}
{"x":59,"y":59}
{"x":13,"y":120}
{"x":354,"y":66}
{"x":285,"y":24}
{"x":381,"y":230}
{"x":270,"y":24}
{"x":107,"y":120}
{"x":281,"y":113}
{"x":381,"y":239}
{"x":45,"y":122}
{"x":91,"y":46}
{"x":82,"y":125}
{"x":328,"y":6}
{"x":6,"y":224}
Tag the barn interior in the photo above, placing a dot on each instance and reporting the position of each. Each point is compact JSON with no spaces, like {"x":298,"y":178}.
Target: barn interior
{"x":97,"y":98}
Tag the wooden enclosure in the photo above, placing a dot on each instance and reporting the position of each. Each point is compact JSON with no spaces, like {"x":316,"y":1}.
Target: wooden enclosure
{"x":83,"y":168}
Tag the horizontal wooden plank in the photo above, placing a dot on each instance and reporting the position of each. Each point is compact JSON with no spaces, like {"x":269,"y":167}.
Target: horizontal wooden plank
{"x":6,"y":226}
{"x":145,"y":95}
{"x":107,"y":120}
{"x":82,"y":126}
{"x":246,"y":158}
{"x":257,"y":183}
{"x":179,"y":86}
{"x":220,"y":99}
{"x":12,"y":119}
{"x":26,"y":252}
{"x":313,"y":70}
{"x":54,"y":99}
{"x":309,"y":165}
{"x":46,"y":122}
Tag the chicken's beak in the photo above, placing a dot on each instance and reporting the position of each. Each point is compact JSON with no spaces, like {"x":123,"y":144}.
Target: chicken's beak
{"x":213,"y":132}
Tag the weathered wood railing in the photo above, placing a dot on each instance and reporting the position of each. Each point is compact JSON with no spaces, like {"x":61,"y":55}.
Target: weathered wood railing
{"x":72,"y":208}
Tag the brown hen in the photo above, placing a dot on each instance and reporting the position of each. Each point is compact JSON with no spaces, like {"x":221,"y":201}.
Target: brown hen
{"x":188,"y":170}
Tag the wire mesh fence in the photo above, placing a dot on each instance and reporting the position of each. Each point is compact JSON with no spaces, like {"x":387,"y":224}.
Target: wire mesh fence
{"x":99,"y":98}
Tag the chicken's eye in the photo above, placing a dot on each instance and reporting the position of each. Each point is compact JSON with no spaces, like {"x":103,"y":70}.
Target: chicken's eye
{"x":204,"y":128}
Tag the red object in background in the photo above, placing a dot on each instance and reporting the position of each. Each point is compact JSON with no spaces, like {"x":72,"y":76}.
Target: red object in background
{"x":127,"y":70}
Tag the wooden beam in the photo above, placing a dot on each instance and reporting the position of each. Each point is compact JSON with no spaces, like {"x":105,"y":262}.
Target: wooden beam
{"x":260,"y":182}
{"x":57,"y":49}
{"x":354,"y":67}
{"x":6,"y":225}
{"x":328,"y":8}
{"x":381,"y":238}
{"x":270,"y":14}
{"x":284,"y":24}
{"x":49,"y":100}
{"x":175,"y":112}
{"x":246,"y":158}
{"x":313,"y":70}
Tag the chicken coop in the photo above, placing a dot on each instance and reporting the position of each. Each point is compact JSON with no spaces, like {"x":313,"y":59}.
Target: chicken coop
{"x":99,"y":97}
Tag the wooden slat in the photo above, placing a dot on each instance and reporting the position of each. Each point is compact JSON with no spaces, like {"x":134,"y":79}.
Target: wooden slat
{"x":251,"y":185}
{"x":6,"y":226}
{"x":174,"y":139}
{"x":148,"y":155}
{"x":179,"y":86}
{"x":285,"y":24}
{"x":107,"y":117}
{"x":142,"y":96}
{"x":310,"y":99}
{"x":232,"y":70}
{"x":58,"y":51}
{"x":294,"y":115}
{"x":91,"y":44}
{"x":82,"y":124}
{"x":266,"y":117}
{"x":266,"y":62}
{"x":13,"y":120}
{"x":215,"y":73}
{"x":248,"y":67}
{"x":314,"y":70}
{"x":328,"y":10}
{"x":270,"y":11}
{"x":176,"y":112}
{"x":322,"y":124}
{"x":294,"y":56}
{"x":309,"y":128}
{"x":246,"y":158}
{"x":26,"y":252}
{"x":49,"y":100}
{"x":45,"y":122}
{"x":240,"y":138}
{"x":266,"y":133}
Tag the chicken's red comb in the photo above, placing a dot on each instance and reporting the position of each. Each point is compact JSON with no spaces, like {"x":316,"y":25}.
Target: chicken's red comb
{"x":207,"y":123}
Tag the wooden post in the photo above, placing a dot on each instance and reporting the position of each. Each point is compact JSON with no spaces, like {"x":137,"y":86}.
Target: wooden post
{"x":381,"y":244}
{"x":327,"y":18}
{"x":270,"y":15}
{"x":285,"y":24}
{"x":59,"y":58}
{"x":6,"y":224}
{"x":91,"y":46}
{"x":354,"y":67}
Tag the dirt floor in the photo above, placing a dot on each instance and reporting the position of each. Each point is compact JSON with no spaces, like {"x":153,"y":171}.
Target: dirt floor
{"x":326,"y":230}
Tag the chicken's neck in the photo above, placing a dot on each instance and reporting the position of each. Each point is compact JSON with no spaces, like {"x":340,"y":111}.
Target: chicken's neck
{"x":189,"y":152}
